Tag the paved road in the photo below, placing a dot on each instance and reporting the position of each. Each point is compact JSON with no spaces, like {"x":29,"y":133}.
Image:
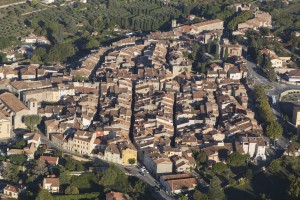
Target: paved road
{"x":278,"y":88}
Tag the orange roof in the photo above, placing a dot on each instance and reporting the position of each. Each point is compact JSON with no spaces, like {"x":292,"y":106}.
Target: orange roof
{"x":11,"y":101}
{"x":50,"y":160}
{"x":53,"y":181}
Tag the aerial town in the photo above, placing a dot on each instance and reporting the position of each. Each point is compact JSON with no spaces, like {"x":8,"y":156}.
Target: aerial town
{"x":194,"y":112}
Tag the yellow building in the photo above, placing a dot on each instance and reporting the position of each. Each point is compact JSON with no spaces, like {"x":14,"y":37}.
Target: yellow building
{"x":128,"y":152}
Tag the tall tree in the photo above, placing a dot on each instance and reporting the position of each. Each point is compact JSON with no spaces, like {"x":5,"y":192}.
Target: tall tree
{"x":220,"y":167}
{"x":36,"y":168}
{"x":18,"y":159}
{"x":226,"y":54}
{"x":199,"y":196}
{"x":274,"y":130}
{"x":44,"y":195}
{"x":215,"y":191}
{"x":10,"y":173}
{"x":294,"y":189}
{"x":31,"y":121}
{"x":274,"y":166}
{"x":200,"y":157}
{"x":236,"y":159}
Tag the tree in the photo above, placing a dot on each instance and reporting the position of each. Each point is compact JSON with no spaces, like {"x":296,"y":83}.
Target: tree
{"x":274,"y":130}
{"x":226,"y":54}
{"x":25,"y":195}
{"x":215,"y":191}
{"x":220,"y":167}
{"x":11,"y":173}
{"x":71,"y":190}
{"x":57,"y":153}
{"x":200,"y":157}
{"x":20,"y":145}
{"x":208,"y":48}
{"x":236,"y":159}
{"x":139,"y":189}
{"x":275,"y":166}
{"x":18,"y":159}
{"x":6,"y":42}
{"x":60,"y":52}
{"x":84,"y":181}
{"x":240,"y":18}
{"x":259,"y":93}
{"x":217,"y":56}
{"x":292,"y":148}
{"x":44,"y":195}
{"x":92,"y":43}
{"x":265,"y":111}
{"x":264,"y":31}
{"x":73,"y":165}
{"x":39,"y":152}
{"x":271,"y":75}
{"x":39,"y":55}
{"x":294,"y":189}
{"x":182,"y":197}
{"x":115,"y":178}
{"x":31,"y":121}
{"x":131,"y":161}
{"x":199,"y":196}
{"x":35,"y":169}
{"x":249,"y":174}
{"x":64,"y":176}
{"x":79,"y":166}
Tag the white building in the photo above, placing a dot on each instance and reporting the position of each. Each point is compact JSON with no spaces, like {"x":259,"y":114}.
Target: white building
{"x":254,"y":146}
{"x":51,"y":184}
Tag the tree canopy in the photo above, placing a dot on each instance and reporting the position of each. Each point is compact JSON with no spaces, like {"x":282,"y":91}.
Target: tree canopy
{"x":236,"y":159}
{"x":71,"y":190}
{"x":31,"y":121}
{"x":294,"y":189}
{"x":44,"y":195}
{"x":274,"y":130}
{"x":18,"y":159}
{"x":275,"y":166}
{"x":215,"y":191}
{"x":200,"y":157}
{"x":220,"y":167}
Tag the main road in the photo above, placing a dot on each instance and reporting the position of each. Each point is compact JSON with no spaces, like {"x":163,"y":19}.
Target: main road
{"x":277,"y":89}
